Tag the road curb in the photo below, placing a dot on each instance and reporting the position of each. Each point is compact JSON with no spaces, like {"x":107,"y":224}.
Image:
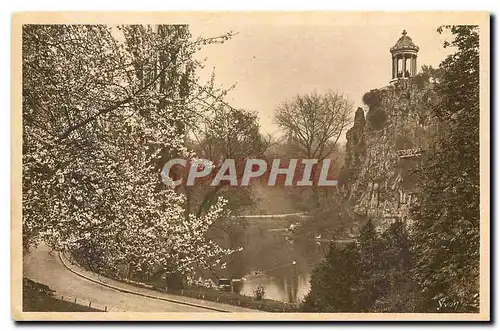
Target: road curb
{"x":137,"y":293}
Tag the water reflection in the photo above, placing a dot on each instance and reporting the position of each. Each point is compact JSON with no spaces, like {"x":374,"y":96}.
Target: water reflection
{"x":289,"y":286}
{"x":270,"y":258}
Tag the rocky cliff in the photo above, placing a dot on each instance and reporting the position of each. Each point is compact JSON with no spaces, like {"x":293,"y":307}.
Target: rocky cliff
{"x":384,"y":147}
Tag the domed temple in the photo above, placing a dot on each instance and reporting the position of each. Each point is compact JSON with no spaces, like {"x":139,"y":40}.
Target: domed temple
{"x":384,"y":144}
{"x":404,"y":58}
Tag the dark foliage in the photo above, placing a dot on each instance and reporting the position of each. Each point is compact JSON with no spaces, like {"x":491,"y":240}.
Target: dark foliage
{"x":376,"y":117}
{"x":371,"y":98}
{"x":436,"y":269}
{"x":334,"y":282}
{"x":366,"y":276}
{"x":447,"y":215}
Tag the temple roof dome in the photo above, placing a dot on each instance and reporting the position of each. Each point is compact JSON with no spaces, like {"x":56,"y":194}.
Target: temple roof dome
{"x":404,"y":44}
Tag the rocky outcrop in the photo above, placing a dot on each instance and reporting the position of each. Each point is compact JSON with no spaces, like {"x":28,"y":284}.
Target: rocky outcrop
{"x":384,"y":147}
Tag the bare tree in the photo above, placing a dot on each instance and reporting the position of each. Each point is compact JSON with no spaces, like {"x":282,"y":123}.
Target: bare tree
{"x":314,"y":123}
{"x":228,"y":133}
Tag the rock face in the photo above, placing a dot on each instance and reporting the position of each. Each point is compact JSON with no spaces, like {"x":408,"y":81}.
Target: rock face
{"x":383,"y":149}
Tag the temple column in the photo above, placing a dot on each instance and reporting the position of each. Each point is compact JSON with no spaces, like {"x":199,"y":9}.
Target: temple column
{"x":404,"y":66}
{"x":394,"y":67}
{"x":397,"y":66}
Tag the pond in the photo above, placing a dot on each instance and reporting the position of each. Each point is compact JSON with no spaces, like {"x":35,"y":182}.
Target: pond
{"x":272,"y":259}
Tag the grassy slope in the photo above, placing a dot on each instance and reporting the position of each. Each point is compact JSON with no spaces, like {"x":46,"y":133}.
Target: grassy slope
{"x":38,"y":297}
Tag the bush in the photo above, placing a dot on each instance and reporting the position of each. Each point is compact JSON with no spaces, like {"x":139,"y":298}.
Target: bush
{"x":376,"y":117}
{"x":371,"y":98}
{"x":259,"y":292}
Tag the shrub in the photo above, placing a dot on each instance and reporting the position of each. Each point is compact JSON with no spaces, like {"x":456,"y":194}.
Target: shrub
{"x":376,"y":117}
{"x":371,"y":98}
{"x":259,"y":292}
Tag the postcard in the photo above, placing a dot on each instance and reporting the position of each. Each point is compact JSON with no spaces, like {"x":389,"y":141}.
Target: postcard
{"x":253,"y":166}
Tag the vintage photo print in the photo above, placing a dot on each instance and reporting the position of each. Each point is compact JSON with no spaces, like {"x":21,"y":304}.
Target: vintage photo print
{"x":251,"y":166}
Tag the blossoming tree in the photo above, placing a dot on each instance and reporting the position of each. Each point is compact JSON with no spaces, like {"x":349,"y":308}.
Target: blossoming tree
{"x":100,"y":106}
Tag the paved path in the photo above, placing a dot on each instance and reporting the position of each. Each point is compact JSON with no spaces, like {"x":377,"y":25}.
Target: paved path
{"x":49,"y":269}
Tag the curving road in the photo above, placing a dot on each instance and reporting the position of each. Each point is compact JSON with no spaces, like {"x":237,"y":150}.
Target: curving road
{"x":48,"y":269}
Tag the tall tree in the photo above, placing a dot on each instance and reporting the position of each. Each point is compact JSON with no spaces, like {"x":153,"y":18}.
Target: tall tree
{"x":229,"y":133}
{"x":401,"y":293}
{"x":334,"y":282}
{"x":447,"y":210}
{"x":314,"y":123}
{"x":373,"y":281}
{"x":100,"y":104}
{"x":226,"y":133}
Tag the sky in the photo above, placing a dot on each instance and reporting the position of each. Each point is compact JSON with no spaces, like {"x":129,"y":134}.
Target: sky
{"x":272,"y":61}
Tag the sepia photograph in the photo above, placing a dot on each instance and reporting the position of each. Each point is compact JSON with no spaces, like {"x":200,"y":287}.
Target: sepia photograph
{"x":251,"y":166}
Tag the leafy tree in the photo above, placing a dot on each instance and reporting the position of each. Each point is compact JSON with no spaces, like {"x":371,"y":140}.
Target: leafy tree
{"x":396,"y":253}
{"x":447,"y":213}
{"x":401,"y":294}
{"x":377,"y":280}
{"x":349,"y":279}
{"x":373,"y":281}
{"x":432,"y":74}
{"x":334,"y":282}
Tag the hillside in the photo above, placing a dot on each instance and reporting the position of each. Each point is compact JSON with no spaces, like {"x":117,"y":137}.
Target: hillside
{"x":383,"y":147}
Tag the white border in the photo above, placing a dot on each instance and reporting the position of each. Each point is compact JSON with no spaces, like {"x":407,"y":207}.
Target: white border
{"x":8,"y":7}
